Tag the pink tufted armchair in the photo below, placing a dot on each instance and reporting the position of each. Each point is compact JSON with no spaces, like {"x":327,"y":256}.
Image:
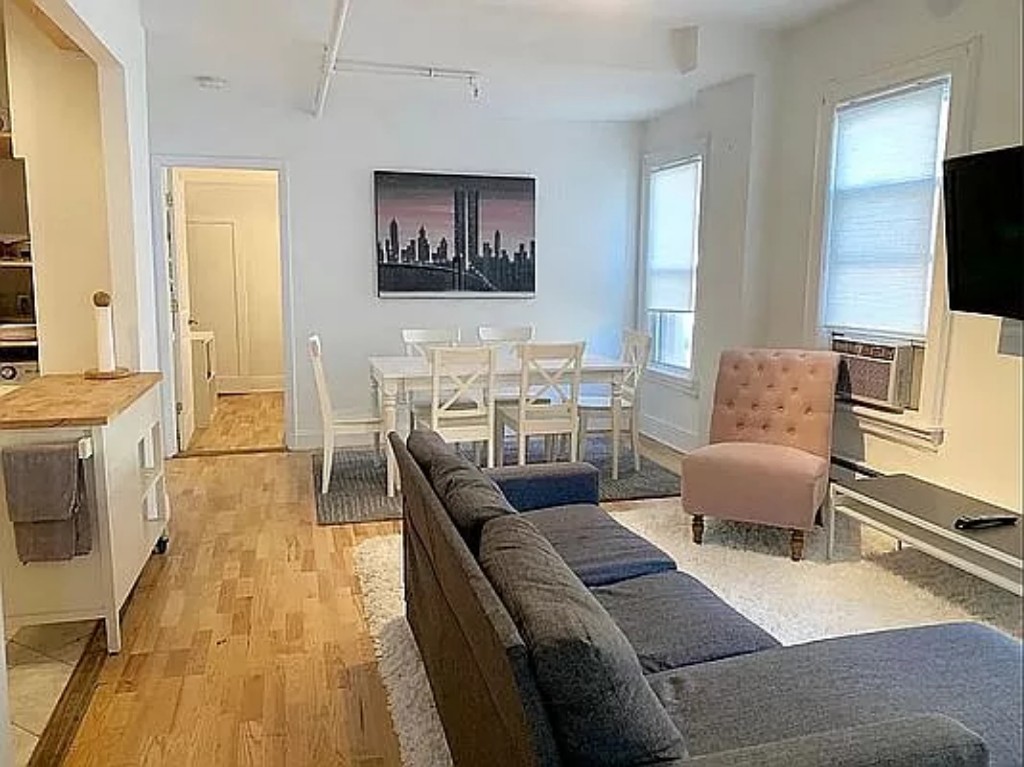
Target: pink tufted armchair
{"x":771,"y":440}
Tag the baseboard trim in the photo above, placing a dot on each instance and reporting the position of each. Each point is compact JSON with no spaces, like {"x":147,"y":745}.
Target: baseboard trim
{"x":249,"y":384}
{"x":313,"y":440}
{"x":668,"y":433}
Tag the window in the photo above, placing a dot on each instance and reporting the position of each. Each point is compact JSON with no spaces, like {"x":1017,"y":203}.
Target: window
{"x":882,"y":210}
{"x":670,"y":262}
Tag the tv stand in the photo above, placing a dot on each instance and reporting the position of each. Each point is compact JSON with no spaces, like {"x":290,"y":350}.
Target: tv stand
{"x":921,"y":515}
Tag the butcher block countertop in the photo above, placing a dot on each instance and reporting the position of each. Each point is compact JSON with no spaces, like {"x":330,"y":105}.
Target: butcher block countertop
{"x":53,"y":401}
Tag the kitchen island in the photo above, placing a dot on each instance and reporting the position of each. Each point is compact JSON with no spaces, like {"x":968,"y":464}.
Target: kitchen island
{"x":117,"y":427}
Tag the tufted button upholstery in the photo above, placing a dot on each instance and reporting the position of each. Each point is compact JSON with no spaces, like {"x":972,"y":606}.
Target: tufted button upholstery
{"x":755,"y":382}
{"x":771,"y":435}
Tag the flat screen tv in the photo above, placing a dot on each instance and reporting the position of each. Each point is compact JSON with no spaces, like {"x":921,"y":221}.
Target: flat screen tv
{"x":985,"y":232}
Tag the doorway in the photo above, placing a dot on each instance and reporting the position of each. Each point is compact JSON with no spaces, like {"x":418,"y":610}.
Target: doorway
{"x":226,"y":294}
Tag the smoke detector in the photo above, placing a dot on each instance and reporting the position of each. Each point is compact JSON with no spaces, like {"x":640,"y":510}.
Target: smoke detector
{"x":211,"y":82}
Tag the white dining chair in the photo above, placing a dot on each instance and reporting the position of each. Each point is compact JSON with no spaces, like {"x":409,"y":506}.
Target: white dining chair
{"x":548,"y":404}
{"x":419,"y":341}
{"x":506,"y":340}
{"x":461,"y":407}
{"x":333,"y":424}
{"x":636,"y":352}
{"x":504,"y":337}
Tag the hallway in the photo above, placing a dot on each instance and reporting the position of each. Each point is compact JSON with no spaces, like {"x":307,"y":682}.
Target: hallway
{"x":242,"y":423}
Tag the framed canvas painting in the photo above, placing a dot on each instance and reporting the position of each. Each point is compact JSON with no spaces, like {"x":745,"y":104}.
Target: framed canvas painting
{"x":447,"y":235}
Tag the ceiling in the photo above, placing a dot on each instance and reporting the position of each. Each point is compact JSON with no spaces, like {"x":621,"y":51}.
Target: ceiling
{"x":565,"y":59}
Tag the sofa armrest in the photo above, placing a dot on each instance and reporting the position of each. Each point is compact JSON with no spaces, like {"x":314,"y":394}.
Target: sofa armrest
{"x":929,"y":740}
{"x":541,"y":486}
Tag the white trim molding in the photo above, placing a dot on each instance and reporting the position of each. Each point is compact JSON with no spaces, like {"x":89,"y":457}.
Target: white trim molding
{"x":687,"y":383}
{"x":668,"y":433}
{"x":960,"y":62}
{"x":163,"y":164}
{"x":895,"y":427}
{"x":248,"y":384}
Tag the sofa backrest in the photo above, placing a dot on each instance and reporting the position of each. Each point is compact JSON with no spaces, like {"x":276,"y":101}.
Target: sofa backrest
{"x":476,"y":660}
{"x":603,"y":710}
{"x":776,"y":396}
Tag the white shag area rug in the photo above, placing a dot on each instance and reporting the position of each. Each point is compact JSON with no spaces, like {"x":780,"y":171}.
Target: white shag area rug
{"x":869,"y":586}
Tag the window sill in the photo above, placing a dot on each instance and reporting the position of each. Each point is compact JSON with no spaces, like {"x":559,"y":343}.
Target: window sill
{"x":904,"y":429}
{"x":685,"y":382}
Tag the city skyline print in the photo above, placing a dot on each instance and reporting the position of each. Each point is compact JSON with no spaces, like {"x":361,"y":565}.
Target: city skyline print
{"x":448,"y":235}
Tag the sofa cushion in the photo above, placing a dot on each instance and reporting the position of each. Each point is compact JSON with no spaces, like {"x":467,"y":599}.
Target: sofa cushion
{"x":596,"y":547}
{"x":671,"y":619}
{"x":540,"y":485}
{"x":470,"y":498}
{"x":755,"y":482}
{"x":602,"y":709}
{"x":424,"y":444}
{"x":965,"y":671}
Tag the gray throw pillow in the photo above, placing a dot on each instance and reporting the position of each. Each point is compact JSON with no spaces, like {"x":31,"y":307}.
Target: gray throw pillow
{"x":603,"y":711}
{"x":470,"y":497}
{"x":424,"y":445}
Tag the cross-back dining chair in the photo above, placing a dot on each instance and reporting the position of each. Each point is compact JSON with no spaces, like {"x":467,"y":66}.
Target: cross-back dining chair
{"x":505,"y":337}
{"x":334,"y":424}
{"x":636,"y":353}
{"x":461,"y":407}
{"x":419,"y":341}
{"x":548,"y":403}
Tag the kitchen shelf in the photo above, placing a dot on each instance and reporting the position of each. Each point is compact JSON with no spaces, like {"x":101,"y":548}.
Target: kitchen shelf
{"x":18,"y":344}
{"x":16,"y":264}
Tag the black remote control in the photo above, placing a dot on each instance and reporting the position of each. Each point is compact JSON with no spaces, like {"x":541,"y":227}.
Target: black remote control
{"x":980,"y":523}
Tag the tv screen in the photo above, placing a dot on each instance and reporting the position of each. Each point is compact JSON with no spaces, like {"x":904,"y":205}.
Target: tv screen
{"x":985,"y":232}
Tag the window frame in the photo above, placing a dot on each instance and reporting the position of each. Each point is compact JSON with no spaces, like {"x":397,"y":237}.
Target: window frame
{"x":959,"y":63}
{"x":692,"y":151}
{"x":829,"y":208}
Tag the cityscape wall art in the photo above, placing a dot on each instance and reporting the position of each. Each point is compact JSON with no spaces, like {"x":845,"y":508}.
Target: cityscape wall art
{"x":447,"y":235}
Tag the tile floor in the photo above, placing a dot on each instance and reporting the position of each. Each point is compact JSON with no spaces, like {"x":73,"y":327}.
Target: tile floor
{"x":40,"y":660}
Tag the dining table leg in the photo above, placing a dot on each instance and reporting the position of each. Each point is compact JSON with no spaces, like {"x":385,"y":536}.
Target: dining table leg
{"x":389,"y":402}
{"x":616,"y":422}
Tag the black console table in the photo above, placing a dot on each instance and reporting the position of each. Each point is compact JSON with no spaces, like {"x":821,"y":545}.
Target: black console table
{"x":922,"y":514}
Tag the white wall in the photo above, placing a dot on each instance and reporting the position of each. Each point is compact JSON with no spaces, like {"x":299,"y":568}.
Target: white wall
{"x":56,"y":114}
{"x":247,"y":200}
{"x":981,"y":454}
{"x":729,"y":304}
{"x":586,"y":212}
{"x":111,"y":33}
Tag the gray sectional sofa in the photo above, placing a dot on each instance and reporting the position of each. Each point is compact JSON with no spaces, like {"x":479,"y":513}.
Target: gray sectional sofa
{"x":552,"y":635}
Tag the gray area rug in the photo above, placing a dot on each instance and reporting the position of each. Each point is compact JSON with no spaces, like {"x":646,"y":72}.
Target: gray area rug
{"x":358,"y":476}
{"x":358,"y":489}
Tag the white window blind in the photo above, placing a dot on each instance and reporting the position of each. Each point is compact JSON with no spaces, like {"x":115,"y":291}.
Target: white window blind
{"x":882,"y":210}
{"x":673,"y":224}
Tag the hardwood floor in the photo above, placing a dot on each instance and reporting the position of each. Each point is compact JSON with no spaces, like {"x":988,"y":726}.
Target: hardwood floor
{"x":245,"y":644}
{"x":242,"y":422}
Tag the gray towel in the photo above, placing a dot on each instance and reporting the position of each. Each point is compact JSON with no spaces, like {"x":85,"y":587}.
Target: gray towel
{"x":47,"y":500}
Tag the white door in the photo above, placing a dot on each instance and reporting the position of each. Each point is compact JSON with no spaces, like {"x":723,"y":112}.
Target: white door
{"x":213,"y":271}
{"x":181,"y":308}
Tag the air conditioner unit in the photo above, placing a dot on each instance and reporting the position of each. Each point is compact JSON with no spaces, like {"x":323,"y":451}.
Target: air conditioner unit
{"x":877,"y":372}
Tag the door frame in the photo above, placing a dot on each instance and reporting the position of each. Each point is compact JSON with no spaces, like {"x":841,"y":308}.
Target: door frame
{"x":160,"y":167}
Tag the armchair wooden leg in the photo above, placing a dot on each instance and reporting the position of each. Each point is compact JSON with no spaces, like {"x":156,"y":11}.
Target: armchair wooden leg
{"x":796,"y":545}
{"x":698,"y":528}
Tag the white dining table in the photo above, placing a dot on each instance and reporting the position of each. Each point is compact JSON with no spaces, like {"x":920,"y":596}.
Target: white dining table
{"x":396,"y":377}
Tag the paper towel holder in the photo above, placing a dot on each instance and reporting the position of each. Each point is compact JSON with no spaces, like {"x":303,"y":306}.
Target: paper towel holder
{"x":105,"y":341}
